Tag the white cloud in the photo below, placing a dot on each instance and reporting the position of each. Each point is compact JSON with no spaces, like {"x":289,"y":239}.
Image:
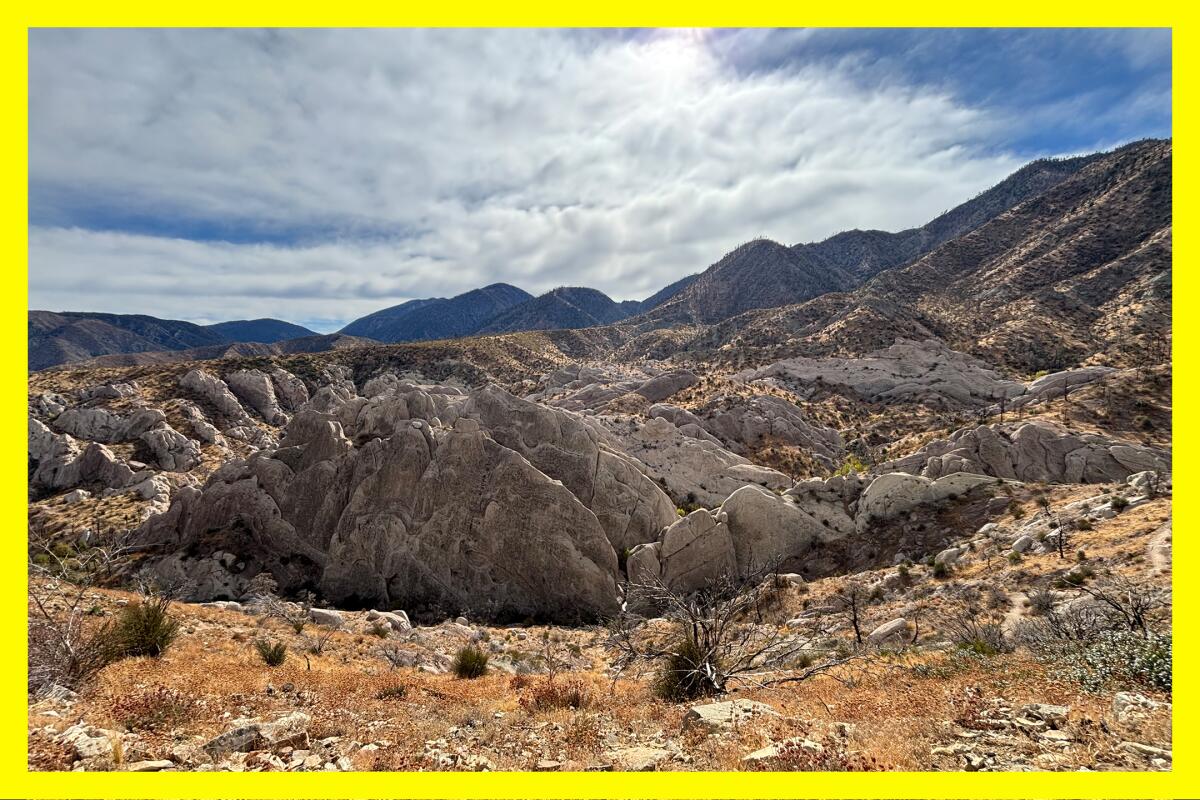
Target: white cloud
{"x":426,"y":163}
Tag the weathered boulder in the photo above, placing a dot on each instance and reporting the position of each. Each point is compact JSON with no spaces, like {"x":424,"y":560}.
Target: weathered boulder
{"x":661,"y":387}
{"x":256,"y":389}
{"x":215,"y":392}
{"x":696,"y":550}
{"x":329,"y":617}
{"x":170,"y":449}
{"x":102,"y":425}
{"x":290,"y":390}
{"x":726,"y":715}
{"x":918,"y":372}
{"x":398,"y":620}
{"x":56,"y":462}
{"x":748,"y":424}
{"x":897,"y":493}
{"x":1034,"y":452}
{"x":694,"y":469}
{"x":892,"y":632}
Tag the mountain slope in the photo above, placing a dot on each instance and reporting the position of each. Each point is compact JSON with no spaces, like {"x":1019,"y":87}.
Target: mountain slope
{"x":438,"y":318}
{"x":759,"y":274}
{"x":564,"y":308}
{"x":1078,"y":274}
{"x":58,"y":338}
{"x":265,"y":330}
{"x":864,"y":254}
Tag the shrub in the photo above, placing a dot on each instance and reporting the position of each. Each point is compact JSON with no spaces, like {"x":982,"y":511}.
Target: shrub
{"x":157,"y":709}
{"x":145,"y":628}
{"x":381,"y":629}
{"x":1041,"y":601}
{"x":941,"y":570}
{"x":852,"y":464}
{"x":395,"y":691}
{"x":1014,"y":557}
{"x":1121,"y":660}
{"x":1015,"y":509}
{"x":1118,"y":503}
{"x":1083,"y":524}
{"x":682,"y":675}
{"x":547,"y":695}
{"x":273,"y":654}
{"x":470,"y":662}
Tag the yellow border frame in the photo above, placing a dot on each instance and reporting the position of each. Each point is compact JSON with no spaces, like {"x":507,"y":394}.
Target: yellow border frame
{"x":1183,"y":781}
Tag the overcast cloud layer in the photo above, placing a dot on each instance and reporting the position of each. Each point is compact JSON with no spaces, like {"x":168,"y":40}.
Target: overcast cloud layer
{"x":320,"y":175}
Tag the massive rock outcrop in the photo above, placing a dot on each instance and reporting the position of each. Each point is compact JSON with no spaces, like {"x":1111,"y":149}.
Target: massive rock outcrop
{"x":1035,"y":451}
{"x":756,"y":529}
{"x":916,"y":372}
{"x":57,"y":462}
{"x":421,"y":498}
{"x":693,"y":467}
{"x":748,"y":424}
{"x":595,"y":388}
{"x":630,"y":507}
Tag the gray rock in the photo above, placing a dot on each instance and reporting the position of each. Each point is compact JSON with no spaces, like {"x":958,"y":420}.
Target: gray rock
{"x":892,"y":632}
{"x":256,"y":389}
{"x":1035,"y":451}
{"x":215,"y":392}
{"x":726,"y":715}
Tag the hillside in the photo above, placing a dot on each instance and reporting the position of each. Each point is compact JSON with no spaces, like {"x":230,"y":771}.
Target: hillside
{"x":438,"y":318}
{"x":265,"y":331}
{"x":561,"y":309}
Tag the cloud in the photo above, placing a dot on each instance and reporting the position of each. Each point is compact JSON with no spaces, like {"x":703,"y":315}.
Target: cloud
{"x":319,"y":175}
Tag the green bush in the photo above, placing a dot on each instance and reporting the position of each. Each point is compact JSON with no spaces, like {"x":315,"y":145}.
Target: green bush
{"x":273,"y":654}
{"x":1121,"y":660}
{"x":1118,"y":503}
{"x":941,"y":570}
{"x":470,"y":662}
{"x":145,"y":628}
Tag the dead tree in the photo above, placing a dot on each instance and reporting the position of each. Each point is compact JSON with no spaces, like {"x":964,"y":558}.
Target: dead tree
{"x":713,"y":639}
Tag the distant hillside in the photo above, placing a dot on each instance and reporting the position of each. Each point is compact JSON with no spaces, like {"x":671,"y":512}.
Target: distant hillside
{"x":265,"y":331}
{"x":667,"y":292}
{"x":759,"y":274}
{"x":438,"y":318}
{"x":564,"y":308}
{"x":59,"y":338}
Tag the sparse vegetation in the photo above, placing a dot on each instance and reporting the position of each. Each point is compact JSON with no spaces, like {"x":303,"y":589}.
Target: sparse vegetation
{"x":470,"y":662}
{"x":273,"y":654}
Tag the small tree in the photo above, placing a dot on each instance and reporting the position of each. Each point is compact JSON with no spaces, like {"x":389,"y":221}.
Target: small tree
{"x":713,"y":638}
{"x":851,"y":600}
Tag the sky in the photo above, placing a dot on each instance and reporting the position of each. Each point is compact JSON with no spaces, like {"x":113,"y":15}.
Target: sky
{"x":319,"y":175}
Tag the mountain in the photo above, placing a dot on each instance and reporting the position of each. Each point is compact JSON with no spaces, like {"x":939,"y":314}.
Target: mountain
{"x":379,"y":325}
{"x":864,"y":254}
{"x":1080,"y":273}
{"x":318,"y":343}
{"x":560,"y":309}
{"x":759,"y":274}
{"x":62,"y":337}
{"x":438,"y":318}
{"x":265,"y":331}
{"x":667,"y":292}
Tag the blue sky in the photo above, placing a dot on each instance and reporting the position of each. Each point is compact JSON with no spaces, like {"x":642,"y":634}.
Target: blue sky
{"x":318,"y":175}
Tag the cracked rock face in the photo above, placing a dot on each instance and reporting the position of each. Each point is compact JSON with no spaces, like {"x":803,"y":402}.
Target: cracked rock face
{"x":513,"y":509}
